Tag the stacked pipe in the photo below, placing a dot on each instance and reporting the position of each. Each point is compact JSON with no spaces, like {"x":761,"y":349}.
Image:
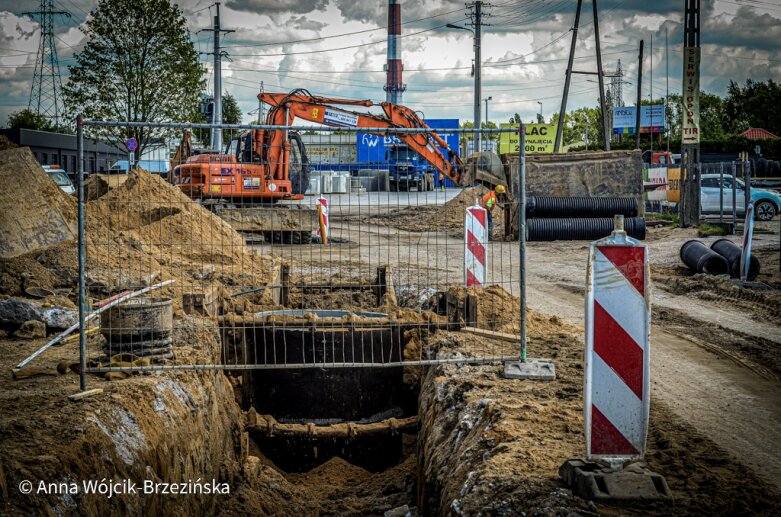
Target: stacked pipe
{"x":580,"y":218}
{"x":723,"y":258}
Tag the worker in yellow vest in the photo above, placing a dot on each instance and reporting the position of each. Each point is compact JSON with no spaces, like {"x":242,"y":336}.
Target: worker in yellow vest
{"x":489,"y":202}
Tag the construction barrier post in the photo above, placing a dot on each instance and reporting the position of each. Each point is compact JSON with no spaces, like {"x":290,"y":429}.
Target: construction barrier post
{"x":617,"y":393}
{"x":617,"y":385}
{"x":322,"y":214}
{"x":475,"y":246}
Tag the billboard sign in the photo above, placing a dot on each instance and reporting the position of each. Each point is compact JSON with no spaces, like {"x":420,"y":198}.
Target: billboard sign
{"x":652,"y":119}
{"x":371,"y":147}
{"x":539,"y":139}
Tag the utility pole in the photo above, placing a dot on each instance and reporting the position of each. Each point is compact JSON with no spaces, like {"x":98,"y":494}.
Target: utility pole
{"x":689,"y":206}
{"x":568,"y":77}
{"x":476,"y":22}
{"x":639,"y":96}
{"x":667,"y":125}
{"x":651,"y":93}
{"x":600,"y":76}
{"x":216,"y":142}
{"x":46,"y":89}
{"x":260,"y":105}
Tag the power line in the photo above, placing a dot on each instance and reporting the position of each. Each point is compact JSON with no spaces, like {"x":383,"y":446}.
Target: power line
{"x":322,"y":38}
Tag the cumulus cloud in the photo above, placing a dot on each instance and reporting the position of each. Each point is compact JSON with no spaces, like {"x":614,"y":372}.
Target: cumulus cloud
{"x":271,"y":7}
{"x":305,"y":24}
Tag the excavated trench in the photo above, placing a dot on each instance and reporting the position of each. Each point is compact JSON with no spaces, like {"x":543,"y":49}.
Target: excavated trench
{"x":313,"y":422}
{"x":302,"y":405}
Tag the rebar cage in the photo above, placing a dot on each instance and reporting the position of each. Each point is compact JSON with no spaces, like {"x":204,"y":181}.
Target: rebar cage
{"x":356,"y":261}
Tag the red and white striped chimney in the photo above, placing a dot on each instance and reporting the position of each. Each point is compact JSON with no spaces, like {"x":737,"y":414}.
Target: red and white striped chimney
{"x":393,"y":84}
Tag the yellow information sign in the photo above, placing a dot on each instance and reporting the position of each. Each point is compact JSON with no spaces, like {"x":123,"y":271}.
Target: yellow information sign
{"x":539,"y":139}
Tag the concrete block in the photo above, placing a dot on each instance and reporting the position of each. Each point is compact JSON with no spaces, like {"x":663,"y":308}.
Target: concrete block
{"x":596,"y":482}
{"x":532,"y":369}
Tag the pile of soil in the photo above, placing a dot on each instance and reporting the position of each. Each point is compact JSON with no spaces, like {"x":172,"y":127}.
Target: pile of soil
{"x":447,"y":218}
{"x":35,"y":213}
{"x":141,"y":232}
{"x":5,"y":143}
{"x":98,"y":185}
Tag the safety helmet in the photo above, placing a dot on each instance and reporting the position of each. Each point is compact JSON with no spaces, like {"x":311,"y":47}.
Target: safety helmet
{"x":500,"y":189}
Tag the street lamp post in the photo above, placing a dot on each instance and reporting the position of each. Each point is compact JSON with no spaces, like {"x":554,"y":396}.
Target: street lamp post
{"x":490,"y":97}
{"x":541,"y":119}
{"x":477,"y":83}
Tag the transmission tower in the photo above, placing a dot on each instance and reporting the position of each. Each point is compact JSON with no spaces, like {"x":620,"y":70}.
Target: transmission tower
{"x":46,"y":89}
{"x":616,"y":86}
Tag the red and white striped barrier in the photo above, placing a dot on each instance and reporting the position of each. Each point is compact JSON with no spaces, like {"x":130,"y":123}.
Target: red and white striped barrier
{"x":475,"y":246}
{"x":322,"y":212}
{"x":617,"y":391}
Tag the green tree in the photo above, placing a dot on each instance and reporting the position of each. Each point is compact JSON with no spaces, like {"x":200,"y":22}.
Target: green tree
{"x":757,"y":104}
{"x":28,"y":119}
{"x":138,"y":65}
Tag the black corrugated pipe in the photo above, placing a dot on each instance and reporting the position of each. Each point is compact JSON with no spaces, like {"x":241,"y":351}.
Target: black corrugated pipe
{"x":731,"y":252}
{"x":549,"y":206}
{"x":581,"y":229}
{"x":702,"y":260}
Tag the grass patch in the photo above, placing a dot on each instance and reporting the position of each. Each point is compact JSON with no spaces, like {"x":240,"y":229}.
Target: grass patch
{"x":712,"y":230}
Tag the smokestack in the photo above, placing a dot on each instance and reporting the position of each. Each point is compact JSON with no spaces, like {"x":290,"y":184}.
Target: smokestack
{"x":393,"y":85}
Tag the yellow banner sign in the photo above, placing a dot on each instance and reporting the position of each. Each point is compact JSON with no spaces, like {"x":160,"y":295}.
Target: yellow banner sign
{"x":539,"y":139}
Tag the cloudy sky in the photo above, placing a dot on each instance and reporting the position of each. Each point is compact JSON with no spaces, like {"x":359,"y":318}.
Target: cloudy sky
{"x":338,"y":48}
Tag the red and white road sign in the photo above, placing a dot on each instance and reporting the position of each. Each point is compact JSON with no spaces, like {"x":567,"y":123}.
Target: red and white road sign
{"x":475,"y":246}
{"x":617,"y":391}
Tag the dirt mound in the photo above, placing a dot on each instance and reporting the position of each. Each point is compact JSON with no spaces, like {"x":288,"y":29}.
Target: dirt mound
{"x":446,"y":218}
{"x":142,"y":231}
{"x":5,"y":143}
{"x":98,"y":185}
{"x":34,"y":213}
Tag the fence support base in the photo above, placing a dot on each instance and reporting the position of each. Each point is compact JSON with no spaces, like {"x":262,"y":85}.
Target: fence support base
{"x":531,"y":369}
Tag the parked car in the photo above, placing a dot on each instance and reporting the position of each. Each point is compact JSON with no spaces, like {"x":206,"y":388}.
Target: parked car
{"x":60,"y":177}
{"x":766,"y":202}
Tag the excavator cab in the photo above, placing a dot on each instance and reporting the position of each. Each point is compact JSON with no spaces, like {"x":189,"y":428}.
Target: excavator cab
{"x":298,"y":169}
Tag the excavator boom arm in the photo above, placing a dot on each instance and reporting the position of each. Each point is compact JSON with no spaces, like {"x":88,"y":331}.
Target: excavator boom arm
{"x":286,"y":107}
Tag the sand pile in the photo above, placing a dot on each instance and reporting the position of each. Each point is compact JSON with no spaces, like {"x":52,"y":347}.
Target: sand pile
{"x":31,"y":222}
{"x":145,"y":231}
{"x":98,"y":185}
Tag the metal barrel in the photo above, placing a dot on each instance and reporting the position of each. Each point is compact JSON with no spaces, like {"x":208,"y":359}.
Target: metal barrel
{"x":731,"y":253}
{"x":702,"y":260}
{"x":588,"y":207}
{"x":580,"y":229}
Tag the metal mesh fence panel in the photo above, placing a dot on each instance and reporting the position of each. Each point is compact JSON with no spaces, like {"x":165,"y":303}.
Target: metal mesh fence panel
{"x":334,"y":249}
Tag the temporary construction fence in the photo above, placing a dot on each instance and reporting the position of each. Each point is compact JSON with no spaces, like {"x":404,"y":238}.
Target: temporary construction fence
{"x":296,"y":258}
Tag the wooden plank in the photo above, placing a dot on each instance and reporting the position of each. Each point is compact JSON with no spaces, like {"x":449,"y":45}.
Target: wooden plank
{"x":490,"y":334}
{"x":84,"y":394}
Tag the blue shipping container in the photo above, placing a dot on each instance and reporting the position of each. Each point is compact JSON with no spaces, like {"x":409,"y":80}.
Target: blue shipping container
{"x":371,"y":148}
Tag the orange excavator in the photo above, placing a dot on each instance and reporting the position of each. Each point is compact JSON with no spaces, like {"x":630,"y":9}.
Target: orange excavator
{"x":264,"y":166}
{"x":267,"y":165}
